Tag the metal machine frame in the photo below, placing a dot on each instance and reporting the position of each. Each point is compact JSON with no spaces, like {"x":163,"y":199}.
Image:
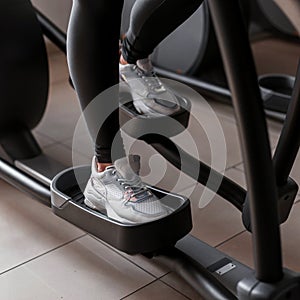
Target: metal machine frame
{"x":213,"y":84}
{"x":212,"y":273}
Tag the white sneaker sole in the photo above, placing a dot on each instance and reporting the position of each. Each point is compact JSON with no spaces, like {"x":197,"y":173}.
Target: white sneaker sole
{"x":107,"y":210}
{"x":95,"y":202}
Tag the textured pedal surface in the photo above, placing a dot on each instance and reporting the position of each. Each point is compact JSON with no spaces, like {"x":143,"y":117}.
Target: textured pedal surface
{"x":68,"y":203}
{"x":137,"y":125}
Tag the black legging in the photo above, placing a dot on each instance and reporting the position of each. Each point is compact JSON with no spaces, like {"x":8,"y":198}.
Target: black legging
{"x":93,"y":47}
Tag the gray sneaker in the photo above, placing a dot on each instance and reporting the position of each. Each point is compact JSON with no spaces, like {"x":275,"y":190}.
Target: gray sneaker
{"x":119,"y":192}
{"x":149,"y":95}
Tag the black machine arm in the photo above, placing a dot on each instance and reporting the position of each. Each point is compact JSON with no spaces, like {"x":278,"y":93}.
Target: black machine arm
{"x":228,"y":189}
{"x":289,"y":141}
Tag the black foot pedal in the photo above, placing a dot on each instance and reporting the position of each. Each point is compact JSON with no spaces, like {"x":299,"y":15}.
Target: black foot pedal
{"x":137,"y":125}
{"x":276,"y":91}
{"x":68,"y":203}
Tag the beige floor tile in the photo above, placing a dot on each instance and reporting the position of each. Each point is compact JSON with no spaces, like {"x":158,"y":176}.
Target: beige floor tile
{"x":155,"y":170}
{"x":43,"y":141}
{"x":158,"y":291}
{"x":58,"y":68}
{"x":240,"y":247}
{"x":28,"y":228}
{"x":4,"y":155}
{"x":218,"y":220}
{"x":179,"y":284}
{"x":61,"y":114}
{"x":22,"y":284}
{"x":64,"y":155}
{"x":81,"y":142}
{"x":295,"y":173}
{"x":274,"y":137}
{"x":291,"y":240}
{"x":276,"y":56}
{"x":69,"y":142}
{"x":51,"y":48}
{"x":237,"y":176}
{"x":223,"y":110}
{"x":226,"y":112}
{"x":212,"y":136}
{"x":209,"y":137}
{"x":240,"y":167}
{"x":274,"y":128}
{"x":86,"y":269}
{"x":151,"y":266}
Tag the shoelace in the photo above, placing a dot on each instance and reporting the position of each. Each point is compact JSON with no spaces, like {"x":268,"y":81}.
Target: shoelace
{"x":134,"y":187}
{"x":152,"y":81}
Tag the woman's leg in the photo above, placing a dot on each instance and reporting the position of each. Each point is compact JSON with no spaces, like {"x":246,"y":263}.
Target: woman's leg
{"x":93,"y":47}
{"x":93,"y":55}
{"x":151,"y":21}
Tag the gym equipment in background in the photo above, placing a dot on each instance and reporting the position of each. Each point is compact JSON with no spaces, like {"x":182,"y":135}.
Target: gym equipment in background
{"x":25,"y":79}
{"x":191,"y":55}
{"x":198,"y":65}
{"x":276,"y":18}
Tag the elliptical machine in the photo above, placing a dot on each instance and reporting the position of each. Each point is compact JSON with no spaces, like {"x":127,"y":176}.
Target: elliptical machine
{"x":209,"y":271}
{"x":24,"y":86}
{"x":200,"y":65}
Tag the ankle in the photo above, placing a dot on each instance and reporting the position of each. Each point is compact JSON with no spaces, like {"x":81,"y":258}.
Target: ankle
{"x":101,"y":166}
{"x":145,"y":64}
{"x":122,"y":60}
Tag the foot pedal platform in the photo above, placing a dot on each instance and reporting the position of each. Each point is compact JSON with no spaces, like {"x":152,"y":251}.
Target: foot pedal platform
{"x":137,"y":125}
{"x":68,"y":202}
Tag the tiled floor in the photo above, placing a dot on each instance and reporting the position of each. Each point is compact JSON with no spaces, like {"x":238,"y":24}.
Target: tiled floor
{"x":44,"y":257}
